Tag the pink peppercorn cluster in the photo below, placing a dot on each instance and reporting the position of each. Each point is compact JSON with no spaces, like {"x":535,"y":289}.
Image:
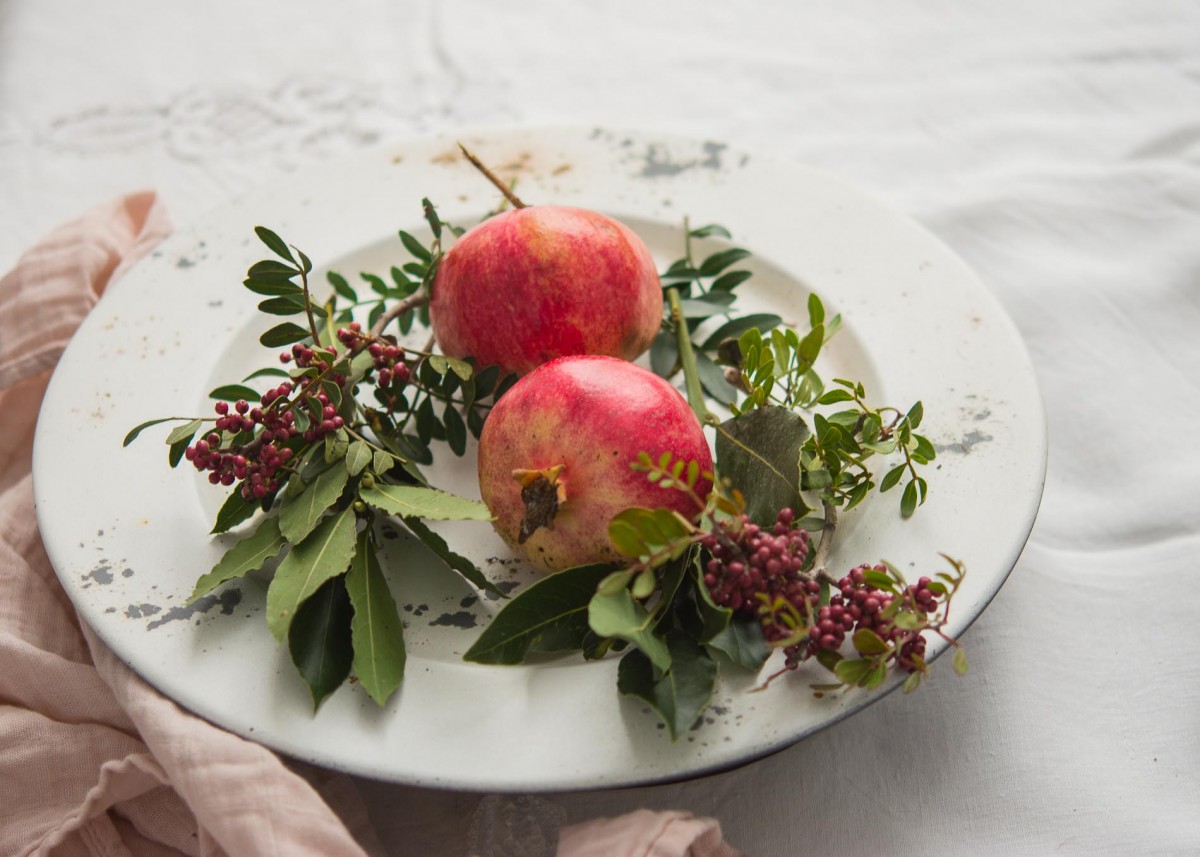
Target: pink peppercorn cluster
{"x":758,"y":572}
{"x":255,"y":464}
{"x":858,"y":605}
{"x":389,"y":359}
{"x":751,"y":567}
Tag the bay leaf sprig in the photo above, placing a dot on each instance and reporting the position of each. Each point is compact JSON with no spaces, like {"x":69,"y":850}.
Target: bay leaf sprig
{"x":332,"y":450}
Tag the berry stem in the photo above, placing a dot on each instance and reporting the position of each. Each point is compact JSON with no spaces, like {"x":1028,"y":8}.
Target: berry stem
{"x":493,"y":178}
{"x":312,"y":322}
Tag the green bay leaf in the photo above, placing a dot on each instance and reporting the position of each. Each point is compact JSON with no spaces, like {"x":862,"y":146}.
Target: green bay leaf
{"x":376,"y":630}
{"x":233,"y":511}
{"x":420,"y":502}
{"x":358,"y":456}
{"x":299,"y":513}
{"x":324,"y":554}
{"x":550,"y":615}
{"x":138,"y":429}
{"x":247,"y":555}
{"x":319,"y":639}
{"x":456,"y":561}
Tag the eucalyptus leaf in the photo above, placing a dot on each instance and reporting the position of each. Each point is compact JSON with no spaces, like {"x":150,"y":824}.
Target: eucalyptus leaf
{"x":319,"y":639}
{"x":712,"y":377}
{"x":759,"y":452}
{"x":376,"y":629}
{"x":718,"y":262}
{"x":553,"y":609}
{"x":734,"y":328}
{"x":324,"y":554}
{"x":664,"y":354}
{"x":729,"y":281}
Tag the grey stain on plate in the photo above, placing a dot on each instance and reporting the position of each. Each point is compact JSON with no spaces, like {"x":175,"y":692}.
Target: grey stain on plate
{"x":101,"y":574}
{"x":969,"y":441}
{"x":137,"y":611}
{"x":459,"y":619}
{"x":228,"y":601}
{"x":505,"y":587}
{"x":658,"y":164}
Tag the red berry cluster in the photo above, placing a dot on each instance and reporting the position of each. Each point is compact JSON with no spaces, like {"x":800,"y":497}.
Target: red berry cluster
{"x":758,"y":572}
{"x":229,"y":457}
{"x":389,"y":363}
{"x":857,"y":605}
{"x":254,"y":464}
{"x":751,"y":567}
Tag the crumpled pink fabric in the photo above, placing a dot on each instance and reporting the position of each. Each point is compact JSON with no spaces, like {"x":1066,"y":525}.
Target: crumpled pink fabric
{"x":95,"y":762}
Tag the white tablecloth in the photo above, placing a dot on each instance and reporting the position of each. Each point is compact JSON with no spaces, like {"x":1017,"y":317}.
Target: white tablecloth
{"x":1055,"y":146}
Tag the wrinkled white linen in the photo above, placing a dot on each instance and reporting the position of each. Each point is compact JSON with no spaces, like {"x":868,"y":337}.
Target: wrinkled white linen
{"x":1056,"y":147}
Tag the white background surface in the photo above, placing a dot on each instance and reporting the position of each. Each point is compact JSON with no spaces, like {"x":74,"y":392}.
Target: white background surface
{"x":1056,"y":147}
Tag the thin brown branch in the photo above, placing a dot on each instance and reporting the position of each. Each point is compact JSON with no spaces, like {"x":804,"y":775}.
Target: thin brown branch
{"x":417,"y":299}
{"x":493,"y":178}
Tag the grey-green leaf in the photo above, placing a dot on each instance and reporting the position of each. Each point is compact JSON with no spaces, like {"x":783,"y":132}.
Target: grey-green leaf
{"x":759,"y":452}
{"x":617,"y":614}
{"x":183,"y":432}
{"x":678,"y":695}
{"x":248,"y":554}
{"x":743,"y":643}
{"x":325,"y":553}
{"x":377,"y":631}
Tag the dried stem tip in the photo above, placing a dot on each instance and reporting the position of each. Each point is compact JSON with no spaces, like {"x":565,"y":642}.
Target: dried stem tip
{"x":493,"y":178}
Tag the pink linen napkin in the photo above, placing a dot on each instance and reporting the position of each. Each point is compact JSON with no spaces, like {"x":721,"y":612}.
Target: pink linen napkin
{"x":95,"y":762}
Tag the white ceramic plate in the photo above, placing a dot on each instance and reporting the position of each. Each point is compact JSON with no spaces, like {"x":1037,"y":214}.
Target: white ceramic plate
{"x":128,"y":537}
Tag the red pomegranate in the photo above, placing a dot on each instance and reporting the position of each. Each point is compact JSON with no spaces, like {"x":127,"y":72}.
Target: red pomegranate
{"x":556,"y":450}
{"x":545,"y":281}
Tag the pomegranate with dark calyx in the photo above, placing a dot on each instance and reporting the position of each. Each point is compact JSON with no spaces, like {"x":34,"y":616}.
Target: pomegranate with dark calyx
{"x":556,"y":450}
{"x":545,"y":281}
